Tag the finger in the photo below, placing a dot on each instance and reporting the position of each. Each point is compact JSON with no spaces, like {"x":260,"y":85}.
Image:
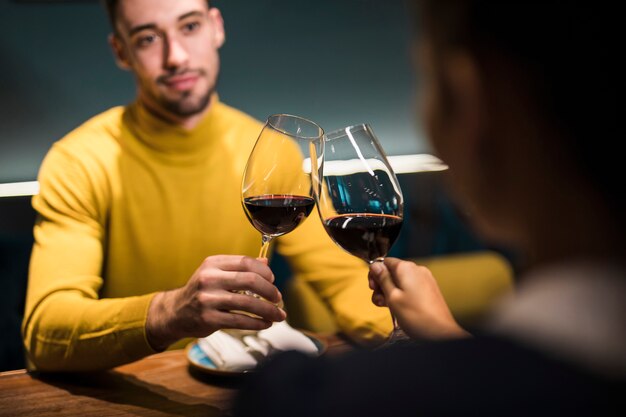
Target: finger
{"x":229,"y":320}
{"x":382,"y":277}
{"x":393,"y":267}
{"x":248,"y":281}
{"x":241,"y":263}
{"x":374,"y":286}
{"x":249,"y":304}
{"x":371,"y":282}
{"x":379,"y":300}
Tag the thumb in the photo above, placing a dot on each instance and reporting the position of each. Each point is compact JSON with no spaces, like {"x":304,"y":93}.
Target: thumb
{"x":381,"y":276}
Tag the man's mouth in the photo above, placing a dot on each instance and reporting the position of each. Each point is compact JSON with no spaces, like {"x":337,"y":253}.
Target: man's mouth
{"x":181,"y":82}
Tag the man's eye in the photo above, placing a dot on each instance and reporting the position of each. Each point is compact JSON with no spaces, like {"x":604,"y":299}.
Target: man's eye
{"x":146,"y":40}
{"x":191,"y":27}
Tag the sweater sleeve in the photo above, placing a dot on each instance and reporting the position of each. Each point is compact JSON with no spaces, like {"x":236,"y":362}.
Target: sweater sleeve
{"x":66,"y":326}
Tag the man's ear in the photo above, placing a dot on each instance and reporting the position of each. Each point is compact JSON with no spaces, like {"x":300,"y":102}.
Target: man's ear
{"x":466,"y":95}
{"x":218,"y":24}
{"x":121,"y":57}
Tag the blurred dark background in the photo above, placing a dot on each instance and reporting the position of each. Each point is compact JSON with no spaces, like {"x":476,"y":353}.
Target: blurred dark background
{"x":336,"y":62}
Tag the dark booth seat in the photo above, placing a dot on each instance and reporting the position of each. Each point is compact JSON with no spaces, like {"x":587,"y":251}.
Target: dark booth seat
{"x":16,"y":240}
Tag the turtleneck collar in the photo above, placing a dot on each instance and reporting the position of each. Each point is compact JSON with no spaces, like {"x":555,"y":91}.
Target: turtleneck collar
{"x":168,"y":138}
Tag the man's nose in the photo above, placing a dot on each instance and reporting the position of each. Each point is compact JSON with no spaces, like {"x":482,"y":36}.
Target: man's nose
{"x":175,"y":53}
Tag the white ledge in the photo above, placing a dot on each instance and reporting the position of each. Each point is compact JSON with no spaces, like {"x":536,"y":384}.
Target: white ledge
{"x":401,"y":164}
{"x":16,"y":189}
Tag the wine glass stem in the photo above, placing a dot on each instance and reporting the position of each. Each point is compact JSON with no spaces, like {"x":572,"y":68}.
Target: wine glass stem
{"x":397,"y":334}
{"x":263,"y":254}
{"x":265,"y":246}
{"x":396,"y":326}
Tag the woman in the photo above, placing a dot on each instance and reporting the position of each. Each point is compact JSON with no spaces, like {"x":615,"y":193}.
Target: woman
{"x":521,"y":102}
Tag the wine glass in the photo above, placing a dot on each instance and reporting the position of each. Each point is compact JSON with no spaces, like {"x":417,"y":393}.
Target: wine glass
{"x":359,"y":198}
{"x":276,"y":191}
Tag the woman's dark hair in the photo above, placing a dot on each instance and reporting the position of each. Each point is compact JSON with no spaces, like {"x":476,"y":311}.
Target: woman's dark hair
{"x":568,"y":52}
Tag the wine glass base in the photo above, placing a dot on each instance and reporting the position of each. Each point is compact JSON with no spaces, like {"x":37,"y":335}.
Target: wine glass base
{"x":396,"y":337}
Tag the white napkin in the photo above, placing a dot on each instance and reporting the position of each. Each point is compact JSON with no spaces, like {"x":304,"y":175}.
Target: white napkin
{"x":238,"y":351}
{"x":227,"y":352}
{"x":281,"y":336}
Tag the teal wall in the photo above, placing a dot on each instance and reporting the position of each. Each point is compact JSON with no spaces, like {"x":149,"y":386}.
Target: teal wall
{"x":338,"y":62}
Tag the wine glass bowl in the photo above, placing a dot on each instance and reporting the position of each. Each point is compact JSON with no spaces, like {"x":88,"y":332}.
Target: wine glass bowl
{"x":359,"y":198}
{"x":366,"y":236}
{"x":277,"y":192}
{"x":277,"y":214}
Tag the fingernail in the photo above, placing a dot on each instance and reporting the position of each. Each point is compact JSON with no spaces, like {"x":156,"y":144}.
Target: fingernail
{"x":377,"y":268}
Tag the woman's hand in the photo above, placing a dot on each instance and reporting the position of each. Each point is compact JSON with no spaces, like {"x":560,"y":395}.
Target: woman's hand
{"x":413,"y":296}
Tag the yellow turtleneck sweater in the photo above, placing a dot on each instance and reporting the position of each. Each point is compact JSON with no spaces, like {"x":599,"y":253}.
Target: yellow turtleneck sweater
{"x":130,"y":205}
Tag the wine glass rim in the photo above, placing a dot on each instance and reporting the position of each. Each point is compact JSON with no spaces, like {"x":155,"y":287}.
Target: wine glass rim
{"x":276,"y":115}
{"x":342,"y":131}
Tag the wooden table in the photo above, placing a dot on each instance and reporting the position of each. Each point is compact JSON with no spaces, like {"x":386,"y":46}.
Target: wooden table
{"x":158,"y":385}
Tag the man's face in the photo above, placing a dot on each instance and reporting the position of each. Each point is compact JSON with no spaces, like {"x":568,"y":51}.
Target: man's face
{"x":171,"y":46}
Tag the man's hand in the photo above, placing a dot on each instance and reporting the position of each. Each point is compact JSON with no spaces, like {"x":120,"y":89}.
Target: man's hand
{"x":413,"y":296}
{"x":206,"y":302}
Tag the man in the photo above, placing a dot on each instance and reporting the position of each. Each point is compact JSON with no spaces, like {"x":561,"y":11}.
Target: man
{"x":532,"y":153}
{"x":141,"y":240}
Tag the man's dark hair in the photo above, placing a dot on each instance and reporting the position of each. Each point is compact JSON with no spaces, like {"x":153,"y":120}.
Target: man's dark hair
{"x":567,"y":53}
{"x":111,"y":9}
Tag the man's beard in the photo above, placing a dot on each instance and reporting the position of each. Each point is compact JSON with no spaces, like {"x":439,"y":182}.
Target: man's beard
{"x":184,"y":107}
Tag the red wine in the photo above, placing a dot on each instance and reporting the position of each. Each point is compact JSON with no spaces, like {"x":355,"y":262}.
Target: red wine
{"x":367,"y":236}
{"x":277,"y":214}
